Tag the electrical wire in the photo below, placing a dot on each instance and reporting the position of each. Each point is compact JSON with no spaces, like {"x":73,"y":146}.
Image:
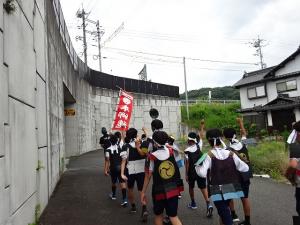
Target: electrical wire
{"x":177,"y":57}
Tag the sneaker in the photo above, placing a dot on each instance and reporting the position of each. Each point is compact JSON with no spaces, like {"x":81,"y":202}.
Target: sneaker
{"x":209,"y":211}
{"x":112,"y":196}
{"x":235,"y":218}
{"x":133,"y":209}
{"x":124,"y":203}
{"x":192,"y":205}
{"x":145,"y":215}
{"x":244,"y":223}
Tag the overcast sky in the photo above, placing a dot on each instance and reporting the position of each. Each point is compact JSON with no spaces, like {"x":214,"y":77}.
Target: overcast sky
{"x":203,"y":29}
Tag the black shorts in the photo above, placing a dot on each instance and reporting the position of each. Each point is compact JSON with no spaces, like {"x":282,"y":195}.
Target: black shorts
{"x":138,"y":178}
{"x":245,"y":187}
{"x":116,"y":176}
{"x":201,"y":182}
{"x":170,"y":205}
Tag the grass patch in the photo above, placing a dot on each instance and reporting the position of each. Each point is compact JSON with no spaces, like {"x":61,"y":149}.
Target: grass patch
{"x":269,"y":158}
{"x":216,"y":115}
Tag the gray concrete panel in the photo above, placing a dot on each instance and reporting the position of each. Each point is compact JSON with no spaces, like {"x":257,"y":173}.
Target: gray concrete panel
{"x":39,"y":45}
{"x":42,"y":178}
{"x":7,"y":141}
{"x":22,"y":64}
{"x":41,"y":112}
{"x":1,"y":14}
{"x":26,"y":214}
{"x":2,"y":174}
{"x":41,"y":7}
{"x":4,"y":206}
{"x":27,"y":8}
{"x":23,"y":152}
{"x":3,"y":89}
{"x":2,"y":143}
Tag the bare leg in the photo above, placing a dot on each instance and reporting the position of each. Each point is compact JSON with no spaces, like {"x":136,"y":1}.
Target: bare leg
{"x":192,"y":195}
{"x":205,"y":194}
{"x":175,"y":220}
{"x":158,"y":220}
{"x":123,"y":185}
{"x":231,"y":206}
{"x":131,"y":196}
{"x":246,"y":206}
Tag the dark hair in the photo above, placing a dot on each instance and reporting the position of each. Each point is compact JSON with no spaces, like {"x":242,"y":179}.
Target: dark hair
{"x":113,"y":139}
{"x":103,"y":130}
{"x":143,"y":136}
{"x":131,"y":133}
{"x":229,"y":133}
{"x":118,"y":134}
{"x":127,"y":140}
{"x":171,"y":140}
{"x":192,"y":135}
{"x":213,"y":136}
{"x":156,"y":125}
{"x":296,"y":126}
{"x":160,"y":137}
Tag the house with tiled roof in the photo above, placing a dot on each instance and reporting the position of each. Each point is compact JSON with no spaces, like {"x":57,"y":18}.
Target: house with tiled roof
{"x":270,"y":97}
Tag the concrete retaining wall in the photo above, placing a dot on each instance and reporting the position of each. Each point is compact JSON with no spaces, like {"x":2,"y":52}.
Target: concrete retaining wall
{"x":40,"y":77}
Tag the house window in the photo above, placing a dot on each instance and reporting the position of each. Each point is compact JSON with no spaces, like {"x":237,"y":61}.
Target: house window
{"x":257,"y":92}
{"x":286,"y":86}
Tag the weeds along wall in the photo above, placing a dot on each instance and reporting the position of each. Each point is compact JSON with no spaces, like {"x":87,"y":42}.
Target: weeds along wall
{"x":41,"y":76}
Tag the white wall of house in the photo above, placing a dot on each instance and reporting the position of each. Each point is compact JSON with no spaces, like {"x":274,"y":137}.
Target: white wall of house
{"x":292,"y":66}
{"x":272,"y":90}
{"x":249,"y":103}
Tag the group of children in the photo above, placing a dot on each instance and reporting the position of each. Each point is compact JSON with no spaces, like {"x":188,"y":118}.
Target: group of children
{"x":222,"y":174}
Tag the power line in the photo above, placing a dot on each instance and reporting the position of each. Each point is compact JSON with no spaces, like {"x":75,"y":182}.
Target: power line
{"x":177,"y":57}
{"x":165,"y":63}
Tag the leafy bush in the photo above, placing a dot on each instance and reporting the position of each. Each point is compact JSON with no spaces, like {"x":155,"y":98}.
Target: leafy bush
{"x":216,"y":115}
{"x":269,"y":158}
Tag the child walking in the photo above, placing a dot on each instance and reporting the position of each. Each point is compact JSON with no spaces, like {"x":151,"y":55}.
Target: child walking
{"x":113,"y":167}
{"x":241,"y":150}
{"x":193,"y":154}
{"x":166,"y":182}
{"x":134,"y":157}
{"x":224,"y":180}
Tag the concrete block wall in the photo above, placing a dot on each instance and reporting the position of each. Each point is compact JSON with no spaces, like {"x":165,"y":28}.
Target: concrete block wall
{"x":35,"y":135}
{"x":23,"y":114}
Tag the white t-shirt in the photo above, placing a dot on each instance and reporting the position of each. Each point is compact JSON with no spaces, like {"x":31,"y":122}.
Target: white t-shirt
{"x":238,"y":145}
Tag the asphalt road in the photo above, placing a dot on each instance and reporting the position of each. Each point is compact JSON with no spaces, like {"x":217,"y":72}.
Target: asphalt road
{"x":81,"y":198}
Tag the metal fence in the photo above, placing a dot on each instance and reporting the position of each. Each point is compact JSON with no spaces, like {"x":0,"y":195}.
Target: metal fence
{"x":103,"y":80}
{"x":197,"y":101}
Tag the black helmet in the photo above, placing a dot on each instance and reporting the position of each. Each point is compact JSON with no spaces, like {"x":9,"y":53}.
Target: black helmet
{"x":154,"y":113}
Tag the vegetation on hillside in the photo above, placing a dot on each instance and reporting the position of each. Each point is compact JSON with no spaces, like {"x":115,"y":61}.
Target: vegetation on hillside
{"x":223,"y":93}
{"x":216,"y":115}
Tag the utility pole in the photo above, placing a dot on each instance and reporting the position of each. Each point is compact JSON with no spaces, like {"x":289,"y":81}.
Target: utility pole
{"x":186,"y":91}
{"x":98,"y":33}
{"x":258,"y":45}
{"x":81,"y":14}
{"x":99,"y":45}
